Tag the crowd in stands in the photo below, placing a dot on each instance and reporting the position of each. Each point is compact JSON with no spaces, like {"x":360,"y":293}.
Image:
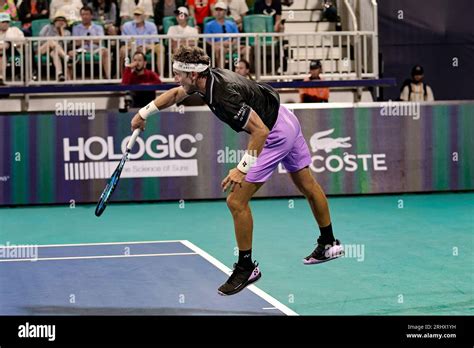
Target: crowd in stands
{"x":185,"y":18}
{"x":71,"y":18}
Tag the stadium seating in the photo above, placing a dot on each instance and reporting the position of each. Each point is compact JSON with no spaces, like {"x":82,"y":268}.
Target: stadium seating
{"x":37,"y":25}
{"x":15,"y":24}
{"x":169,"y":21}
{"x":258,"y":24}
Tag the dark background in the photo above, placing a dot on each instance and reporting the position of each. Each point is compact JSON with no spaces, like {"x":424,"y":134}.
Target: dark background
{"x":431,"y":33}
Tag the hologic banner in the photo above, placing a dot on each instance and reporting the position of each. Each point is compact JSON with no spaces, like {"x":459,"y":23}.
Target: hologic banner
{"x":56,"y":159}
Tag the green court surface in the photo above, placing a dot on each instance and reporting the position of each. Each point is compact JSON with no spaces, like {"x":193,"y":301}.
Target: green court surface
{"x":406,"y":254}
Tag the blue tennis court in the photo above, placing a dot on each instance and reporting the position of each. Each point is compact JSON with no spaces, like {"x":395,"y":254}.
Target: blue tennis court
{"x":131,"y":278}
{"x":415,"y":261}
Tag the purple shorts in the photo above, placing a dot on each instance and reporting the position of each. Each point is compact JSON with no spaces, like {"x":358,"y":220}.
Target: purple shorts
{"x":284,"y":144}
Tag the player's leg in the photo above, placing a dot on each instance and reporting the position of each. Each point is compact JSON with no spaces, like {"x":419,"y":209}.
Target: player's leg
{"x":328,"y":247}
{"x":277,"y":145}
{"x":307,"y":185}
{"x":245,"y":271}
{"x":296,"y":162}
{"x":238,"y":203}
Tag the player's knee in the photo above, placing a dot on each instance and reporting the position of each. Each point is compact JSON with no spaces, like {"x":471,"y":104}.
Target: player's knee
{"x":234,"y":203}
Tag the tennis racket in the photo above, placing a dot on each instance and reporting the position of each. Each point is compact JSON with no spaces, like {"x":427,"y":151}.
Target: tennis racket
{"x":114,"y":179}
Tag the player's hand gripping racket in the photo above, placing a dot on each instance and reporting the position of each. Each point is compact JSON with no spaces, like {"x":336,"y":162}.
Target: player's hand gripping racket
{"x":114,"y":179}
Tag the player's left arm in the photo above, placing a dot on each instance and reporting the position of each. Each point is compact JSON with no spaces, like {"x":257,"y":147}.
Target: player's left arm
{"x":258,"y":134}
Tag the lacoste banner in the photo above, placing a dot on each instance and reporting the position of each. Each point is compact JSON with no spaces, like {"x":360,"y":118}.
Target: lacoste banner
{"x":55,"y":159}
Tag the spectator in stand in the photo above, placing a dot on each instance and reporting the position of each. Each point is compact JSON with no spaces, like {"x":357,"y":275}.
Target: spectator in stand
{"x":8,"y":7}
{"x":139,"y":27}
{"x":128,"y":6}
{"x":270,"y":8}
{"x":136,"y":73}
{"x":166,"y":8}
{"x":72,"y":9}
{"x":314,"y":94}
{"x":31,"y":10}
{"x":105,"y":11}
{"x":243,"y":68}
{"x":237,"y":9}
{"x":88,"y":28}
{"x":55,"y":48}
{"x":221,"y":25}
{"x":200,"y":9}
{"x":330,"y":11}
{"x":7,"y":33}
{"x":415,"y":89}
{"x":182,"y":15}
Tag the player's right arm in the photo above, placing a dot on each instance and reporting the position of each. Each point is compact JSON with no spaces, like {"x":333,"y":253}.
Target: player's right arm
{"x":169,"y":98}
{"x":163,"y":101}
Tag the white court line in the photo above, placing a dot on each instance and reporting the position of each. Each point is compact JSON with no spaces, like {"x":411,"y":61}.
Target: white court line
{"x":86,"y":244}
{"x":228,"y":271}
{"x":95,"y":257}
{"x":196,"y":249}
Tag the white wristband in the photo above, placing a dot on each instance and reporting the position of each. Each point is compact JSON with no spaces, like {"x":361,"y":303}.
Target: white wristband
{"x":148,"y":110}
{"x":246,"y":163}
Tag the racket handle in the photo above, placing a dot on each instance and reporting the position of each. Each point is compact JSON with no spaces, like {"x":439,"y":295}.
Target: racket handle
{"x":133,"y":138}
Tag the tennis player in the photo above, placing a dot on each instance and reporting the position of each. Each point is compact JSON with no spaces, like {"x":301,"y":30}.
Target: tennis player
{"x":275,"y":136}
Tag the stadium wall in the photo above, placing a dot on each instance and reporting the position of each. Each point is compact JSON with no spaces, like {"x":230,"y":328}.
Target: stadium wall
{"x":55,"y":157}
{"x":436,"y":34}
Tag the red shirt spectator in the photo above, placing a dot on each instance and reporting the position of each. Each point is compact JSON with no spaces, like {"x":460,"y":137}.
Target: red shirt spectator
{"x":200,"y":9}
{"x":314,"y":94}
{"x":136,"y":73}
{"x":146,"y":77}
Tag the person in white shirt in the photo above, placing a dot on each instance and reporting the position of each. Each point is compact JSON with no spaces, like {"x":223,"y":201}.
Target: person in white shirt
{"x":128,"y":6}
{"x":237,"y":9}
{"x":71,"y":8}
{"x":415,"y":89}
{"x":7,"y":34}
{"x":182,"y":15}
{"x":56,"y":48}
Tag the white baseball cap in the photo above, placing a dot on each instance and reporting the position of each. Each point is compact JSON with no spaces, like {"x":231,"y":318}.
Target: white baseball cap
{"x":183,"y":10}
{"x":5,"y":17}
{"x":221,"y":5}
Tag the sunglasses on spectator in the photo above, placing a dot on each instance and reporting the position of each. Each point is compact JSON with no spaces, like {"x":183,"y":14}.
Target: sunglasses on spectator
{"x":220,"y":9}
